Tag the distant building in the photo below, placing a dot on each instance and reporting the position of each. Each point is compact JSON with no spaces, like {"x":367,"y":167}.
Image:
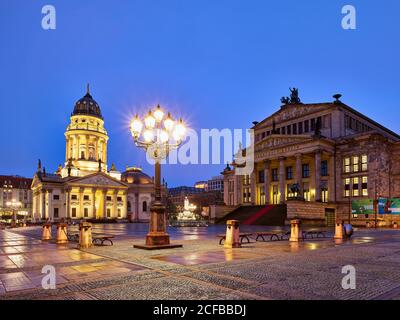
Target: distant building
{"x":15,"y":189}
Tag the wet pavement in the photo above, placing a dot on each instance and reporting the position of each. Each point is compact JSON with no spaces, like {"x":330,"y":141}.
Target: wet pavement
{"x":202,"y":269}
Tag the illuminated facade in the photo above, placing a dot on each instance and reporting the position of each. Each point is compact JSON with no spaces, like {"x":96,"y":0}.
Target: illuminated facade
{"x":15,"y":189}
{"x":83,"y":188}
{"x":330,"y":152}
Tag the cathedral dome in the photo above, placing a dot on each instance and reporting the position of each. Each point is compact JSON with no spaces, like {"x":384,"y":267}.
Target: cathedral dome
{"x":87,"y":106}
{"x":134,"y":175}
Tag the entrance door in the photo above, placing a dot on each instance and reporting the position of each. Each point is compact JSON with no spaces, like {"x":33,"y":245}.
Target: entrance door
{"x":330,"y":217}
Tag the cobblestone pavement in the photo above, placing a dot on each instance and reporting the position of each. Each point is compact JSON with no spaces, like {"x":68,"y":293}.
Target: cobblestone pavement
{"x":202,"y":269}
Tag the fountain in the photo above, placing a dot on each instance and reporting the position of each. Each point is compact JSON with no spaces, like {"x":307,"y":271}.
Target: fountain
{"x":187,"y":217}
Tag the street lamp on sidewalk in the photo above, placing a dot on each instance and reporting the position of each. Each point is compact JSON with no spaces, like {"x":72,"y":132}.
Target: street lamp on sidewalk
{"x":14,"y":205}
{"x":157,"y":133}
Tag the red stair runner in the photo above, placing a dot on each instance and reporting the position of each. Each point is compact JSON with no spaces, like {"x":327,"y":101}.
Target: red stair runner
{"x":258,"y":215}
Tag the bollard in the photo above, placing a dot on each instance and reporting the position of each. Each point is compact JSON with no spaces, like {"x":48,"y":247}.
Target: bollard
{"x":295,"y":231}
{"x":46,"y":234}
{"x":232,"y":234}
{"x":85,"y":235}
{"x":394,"y":224}
{"x":339,"y":230}
{"x":61,"y":233}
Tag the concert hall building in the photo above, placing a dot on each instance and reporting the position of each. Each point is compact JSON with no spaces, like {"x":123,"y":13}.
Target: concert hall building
{"x":319,"y":160}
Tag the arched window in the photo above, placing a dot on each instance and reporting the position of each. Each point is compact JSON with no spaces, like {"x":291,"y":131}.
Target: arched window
{"x":144,"y":205}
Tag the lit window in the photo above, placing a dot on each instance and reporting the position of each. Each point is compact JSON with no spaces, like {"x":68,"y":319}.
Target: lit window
{"x":289,"y":173}
{"x":347,"y":187}
{"x":356,"y":181}
{"x":364,"y":162}
{"x":324,"y":194}
{"x":356,"y":165}
{"x":364,"y":186}
{"x":346,"y":163}
{"x":306,"y":191}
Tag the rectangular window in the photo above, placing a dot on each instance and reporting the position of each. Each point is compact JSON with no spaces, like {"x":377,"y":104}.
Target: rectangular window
{"x":300,"y":125}
{"x":305,"y":170}
{"x":119,"y":213}
{"x":74,"y":197}
{"x":306,"y":191}
{"x":85,"y":197}
{"x":119,"y":199}
{"x":289,"y":129}
{"x":346,"y":165}
{"x":306,"y":126}
{"x":86,"y":212}
{"x":274,"y":174}
{"x":261,"y":176}
{"x":56,"y":197}
{"x":108,"y":198}
{"x":108,"y":213}
{"x":364,"y":186}
{"x":347,"y":187}
{"x":275,"y":195}
{"x":356,"y":183}
{"x":73,"y":213}
{"x":289,"y":173}
{"x":364,"y":162}
{"x":324,"y":195}
{"x":278,"y":131}
{"x":55,"y":213}
{"x":324,"y":168}
{"x":294,"y":128}
{"x":356,"y":165}
{"x":283,"y":130}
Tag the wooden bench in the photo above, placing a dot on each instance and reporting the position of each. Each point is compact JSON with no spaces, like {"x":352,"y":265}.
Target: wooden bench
{"x":271,"y":236}
{"x":242,"y":236}
{"x":100,"y":239}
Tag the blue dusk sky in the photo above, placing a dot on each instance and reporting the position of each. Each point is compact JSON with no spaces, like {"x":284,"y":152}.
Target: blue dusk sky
{"x":219,"y":64}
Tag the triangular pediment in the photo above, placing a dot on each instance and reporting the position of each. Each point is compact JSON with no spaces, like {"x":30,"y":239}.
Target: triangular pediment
{"x":292,"y":112}
{"x":97,"y":179}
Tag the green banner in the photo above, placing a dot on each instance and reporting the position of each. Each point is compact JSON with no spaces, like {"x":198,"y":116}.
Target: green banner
{"x":362,"y":206}
{"x":389,"y":206}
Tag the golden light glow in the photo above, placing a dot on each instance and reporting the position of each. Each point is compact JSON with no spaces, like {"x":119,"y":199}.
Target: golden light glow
{"x":158,"y":114}
{"x":148,"y":135}
{"x":149,"y":121}
{"x":179,"y":131}
{"x":164,"y":137}
{"x":136,"y":126}
{"x":169,"y":123}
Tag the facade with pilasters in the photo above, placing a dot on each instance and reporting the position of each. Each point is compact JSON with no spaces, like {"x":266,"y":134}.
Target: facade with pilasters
{"x":326,"y":154}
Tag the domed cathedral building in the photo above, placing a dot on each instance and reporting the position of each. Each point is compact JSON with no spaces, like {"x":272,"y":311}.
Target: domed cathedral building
{"x":83,"y":188}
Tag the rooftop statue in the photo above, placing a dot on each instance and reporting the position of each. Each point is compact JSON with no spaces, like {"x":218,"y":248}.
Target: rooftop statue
{"x":294,"y":97}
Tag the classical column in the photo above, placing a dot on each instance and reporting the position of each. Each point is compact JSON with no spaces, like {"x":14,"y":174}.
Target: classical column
{"x":87,"y":139}
{"x":41,"y":204}
{"x":253,"y":181}
{"x":78,"y":147}
{"x":96,"y":149}
{"x":104,"y":203}
{"x":115,"y":207}
{"x":66,"y":148}
{"x":282,"y":186}
{"x":124,"y":211}
{"x":136,"y":213}
{"x":267,"y":180}
{"x":49,"y":194}
{"x":331,"y":177}
{"x":318,"y":175}
{"x":81,"y":202}
{"x":94,"y":203}
{"x":67,"y":202}
{"x":34,"y":207}
{"x":299,"y":173}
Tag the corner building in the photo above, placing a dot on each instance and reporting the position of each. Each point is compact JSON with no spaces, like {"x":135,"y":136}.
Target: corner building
{"x":333,"y":154}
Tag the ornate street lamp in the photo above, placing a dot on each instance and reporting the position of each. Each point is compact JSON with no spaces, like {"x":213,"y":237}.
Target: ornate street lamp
{"x":157,"y":133}
{"x":14,"y":205}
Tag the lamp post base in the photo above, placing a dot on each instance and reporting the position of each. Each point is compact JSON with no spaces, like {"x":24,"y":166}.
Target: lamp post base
{"x":156,"y":241}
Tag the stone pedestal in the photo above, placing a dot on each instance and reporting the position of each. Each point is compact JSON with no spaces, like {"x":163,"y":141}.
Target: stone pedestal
{"x":85,"y":235}
{"x":295,"y":231}
{"x":157,"y":238}
{"x":46,"y":233}
{"x":232,"y":234}
{"x":61,"y":233}
{"x":339,"y":230}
